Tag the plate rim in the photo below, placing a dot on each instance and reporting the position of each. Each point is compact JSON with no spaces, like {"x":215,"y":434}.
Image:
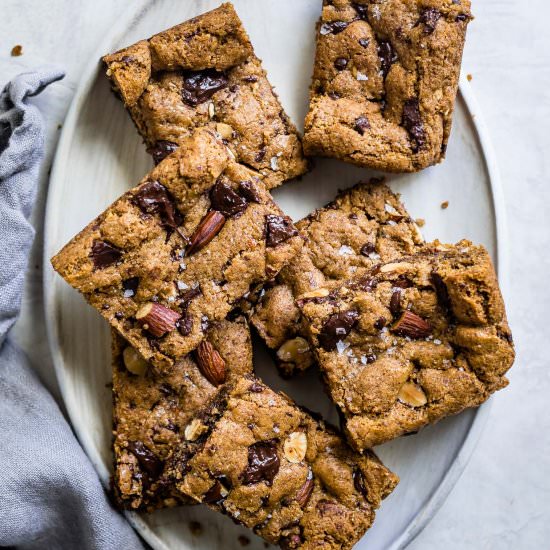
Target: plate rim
{"x":133,"y":13}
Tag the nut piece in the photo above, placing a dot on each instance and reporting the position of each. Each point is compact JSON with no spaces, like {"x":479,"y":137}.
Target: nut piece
{"x":412,"y":394}
{"x":224,"y":130}
{"x":396,"y":266}
{"x":209,"y":227}
{"x":291,"y":350}
{"x":194,"y":430}
{"x":157,"y":319}
{"x":411,"y":325}
{"x":317,"y":293}
{"x":134,"y":361}
{"x":295,"y":447}
{"x":211,"y":363}
{"x":304,"y":492}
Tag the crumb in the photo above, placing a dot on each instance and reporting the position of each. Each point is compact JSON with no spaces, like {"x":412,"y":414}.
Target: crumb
{"x":16,"y":51}
{"x":195,"y":527}
{"x":421,"y":222}
{"x":445,"y":205}
{"x":244,"y":541}
{"x":469,"y":77}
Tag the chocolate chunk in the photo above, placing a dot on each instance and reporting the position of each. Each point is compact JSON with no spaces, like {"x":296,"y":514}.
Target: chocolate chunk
{"x":367,"y":283}
{"x":412,"y":122}
{"x":226,"y":201}
{"x":462,"y":17}
{"x":387,"y":56}
{"x":260,"y":155}
{"x":441,"y":290}
{"x":362,"y":124}
{"x":334,"y":27}
{"x":263,"y":463}
{"x":278,"y":229}
{"x":161,"y":149}
{"x":367,"y":249}
{"x":362,"y":10}
{"x":337,"y":327}
{"x":199,"y":86}
{"x":215,"y":495}
{"x":154,"y":198}
{"x":190,"y":294}
{"x":185,"y":324}
{"x":148,"y":461}
{"x":255,"y":387}
{"x":429,"y":18}
{"x":341,"y":63}
{"x":249,"y":191}
{"x":395,"y":302}
{"x":364,"y":42}
{"x":130,"y":287}
{"x":380,"y":323}
{"x":104,"y":254}
{"x":359,"y":482}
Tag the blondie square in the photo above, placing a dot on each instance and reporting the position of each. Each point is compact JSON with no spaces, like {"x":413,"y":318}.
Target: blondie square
{"x":151,"y":410}
{"x":273,"y":467}
{"x":385,"y":81}
{"x":178,"y":251}
{"x":362,"y":227}
{"x":414,"y":341}
{"x":203,"y":73}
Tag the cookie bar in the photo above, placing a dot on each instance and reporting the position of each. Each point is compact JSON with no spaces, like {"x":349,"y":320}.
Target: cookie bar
{"x":274,"y":468}
{"x":416,"y":340}
{"x":178,"y":251}
{"x":363,"y":226}
{"x":152,"y":410}
{"x":204,"y":73}
{"x":385,"y":81}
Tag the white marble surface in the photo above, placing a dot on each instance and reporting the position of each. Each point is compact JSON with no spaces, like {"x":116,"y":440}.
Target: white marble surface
{"x":503,"y":499}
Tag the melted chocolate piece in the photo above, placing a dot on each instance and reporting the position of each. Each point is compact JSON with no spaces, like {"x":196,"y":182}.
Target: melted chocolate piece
{"x":364,"y":42}
{"x":362,"y":10}
{"x":341,"y":63}
{"x":148,"y":461}
{"x":200,"y":86}
{"x":359,"y":482}
{"x":429,"y":18}
{"x":263,"y":463}
{"x":367,"y":249}
{"x":248,"y":191}
{"x":161,"y":149}
{"x":225,"y":200}
{"x":130,"y":287}
{"x":412,"y":122}
{"x":279,"y":229}
{"x":104,"y":254}
{"x":334,"y":27}
{"x":154,"y":198}
{"x":395,"y":302}
{"x":337,"y":327}
{"x":387,"y":56}
{"x":441,"y":290}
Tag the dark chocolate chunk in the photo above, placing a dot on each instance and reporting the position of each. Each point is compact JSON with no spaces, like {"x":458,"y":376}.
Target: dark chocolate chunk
{"x":395,"y":302}
{"x":362,"y":10}
{"x":337,"y":327}
{"x":161,"y":149}
{"x":249,"y":191}
{"x":380,"y":323}
{"x":359,"y":482}
{"x":429,"y":18}
{"x":334,"y":27}
{"x":199,"y":86}
{"x":214,"y":495}
{"x":461,"y":17}
{"x":154,"y":198}
{"x":185,"y":324}
{"x":255,"y":387}
{"x":104,"y":254}
{"x":387,"y":56}
{"x":364,"y":42}
{"x":226,"y":201}
{"x":279,"y":229}
{"x":263,"y":463}
{"x":441,"y":290}
{"x":130,"y":287}
{"x":189,"y":294}
{"x":412,"y":122}
{"x":260,"y":155}
{"x":341,"y":63}
{"x":362,"y":124}
{"x":148,"y":461}
{"x":367,"y":249}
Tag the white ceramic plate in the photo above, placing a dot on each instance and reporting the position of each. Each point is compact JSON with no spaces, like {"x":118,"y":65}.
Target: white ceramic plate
{"x":100,"y":156}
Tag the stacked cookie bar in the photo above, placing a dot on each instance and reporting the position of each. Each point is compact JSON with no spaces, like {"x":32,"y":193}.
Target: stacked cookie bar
{"x":404,"y":332}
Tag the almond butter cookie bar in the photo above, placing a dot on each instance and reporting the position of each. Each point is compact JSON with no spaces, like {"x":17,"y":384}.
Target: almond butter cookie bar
{"x":203,"y":73}
{"x":385,"y":81}
{"x":180,"y":250}
{"x":271,"y":466}
{"x":152,"y":410}
{"x":412,"y":342}
{"x":362,"y":227}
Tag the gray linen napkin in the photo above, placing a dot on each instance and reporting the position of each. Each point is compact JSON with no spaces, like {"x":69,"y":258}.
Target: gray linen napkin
{"x":50,"y":495}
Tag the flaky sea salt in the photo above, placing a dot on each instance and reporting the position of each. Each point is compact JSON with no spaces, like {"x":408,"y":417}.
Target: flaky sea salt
{"x":345,"y":250}
{"x":182,"y":286}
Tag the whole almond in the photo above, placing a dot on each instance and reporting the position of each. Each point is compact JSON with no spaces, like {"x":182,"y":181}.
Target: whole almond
{"x":304,"y":492}
{"x":210,"y":363}
{"x":209,"y":227}
{"x":157,"y":319}
{"x":411,"y":325}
